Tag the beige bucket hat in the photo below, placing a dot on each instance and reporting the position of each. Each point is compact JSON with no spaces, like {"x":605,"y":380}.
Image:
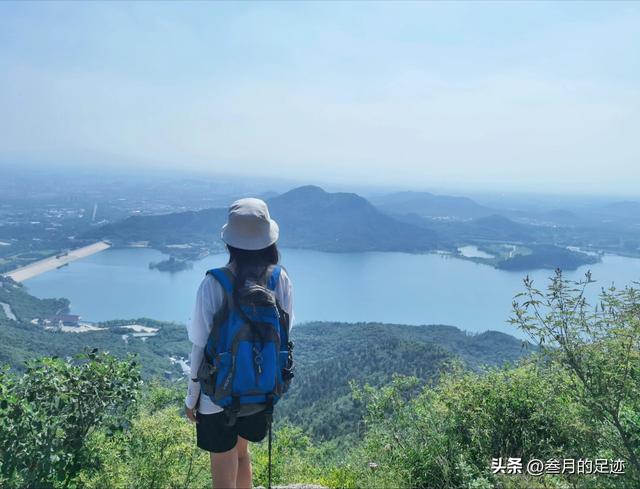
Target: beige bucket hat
{"x":249,"y":226}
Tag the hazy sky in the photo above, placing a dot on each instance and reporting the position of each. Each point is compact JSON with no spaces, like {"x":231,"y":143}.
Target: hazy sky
{"x":533,"y":96}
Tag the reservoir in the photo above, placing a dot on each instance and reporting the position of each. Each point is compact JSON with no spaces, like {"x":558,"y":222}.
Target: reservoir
{"x":374,"y":286}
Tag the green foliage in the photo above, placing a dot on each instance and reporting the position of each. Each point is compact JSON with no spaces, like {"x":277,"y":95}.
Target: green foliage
{"x":21,"y":341}
{"x":446,"y":436}
{"x":294,"y":458}
{"x":372,"y":405}
{"x":599,"y":346}
{"x":416,"y":435}
{"x":47,"y":414}
{"x":158,"y":451}
{"x":328,"y":356}
{"x":86,"y":423}
{"x":331,"y":355}
{"x":25,"y":306}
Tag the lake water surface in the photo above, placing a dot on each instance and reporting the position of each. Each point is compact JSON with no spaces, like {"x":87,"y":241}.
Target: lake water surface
{"x":385,"y":287}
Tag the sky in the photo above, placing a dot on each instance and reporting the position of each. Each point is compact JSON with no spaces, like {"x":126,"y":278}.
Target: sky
{"x":507,"y":96}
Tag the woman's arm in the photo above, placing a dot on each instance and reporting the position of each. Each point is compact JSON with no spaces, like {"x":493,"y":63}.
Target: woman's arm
{"x":193,"y":390}
{"x":208,"y":299}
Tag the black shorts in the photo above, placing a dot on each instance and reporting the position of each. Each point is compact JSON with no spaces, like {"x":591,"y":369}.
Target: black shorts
{"x":215,"y":436}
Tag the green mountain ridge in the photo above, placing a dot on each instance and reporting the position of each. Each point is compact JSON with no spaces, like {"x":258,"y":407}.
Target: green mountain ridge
{"x":308,"y":216}
{"x":331,"y":356}
{"x":312,"y":218}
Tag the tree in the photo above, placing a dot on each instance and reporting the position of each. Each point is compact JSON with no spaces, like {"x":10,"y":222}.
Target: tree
{"x":47,"y":414}
{"x":599,"y":345}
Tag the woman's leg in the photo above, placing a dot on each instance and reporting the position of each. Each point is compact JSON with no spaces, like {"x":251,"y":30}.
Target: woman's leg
{"x":224,"y":468}
{"x":243,"y":480}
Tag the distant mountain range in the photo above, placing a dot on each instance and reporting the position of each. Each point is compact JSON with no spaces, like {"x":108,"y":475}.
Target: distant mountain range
{"x":425,"y":204}
{"x":446,"y":207}
{"x":413,"y":222}
{"x":627,"y":210}
{"x":308,"y":216}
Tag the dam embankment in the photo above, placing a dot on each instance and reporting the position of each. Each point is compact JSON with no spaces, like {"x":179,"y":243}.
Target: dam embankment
{"x":36,"y":268}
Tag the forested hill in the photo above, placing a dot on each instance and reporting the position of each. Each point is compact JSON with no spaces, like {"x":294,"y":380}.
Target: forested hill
{"x":163,"y":229}
{"x":313,"y":218}
{"x":329,"y":356}
{"x":335,"y":338}
{"x":308,"y":216}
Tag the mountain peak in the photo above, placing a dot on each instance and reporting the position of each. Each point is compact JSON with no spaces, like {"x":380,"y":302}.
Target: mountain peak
{"x":307,"y":190}
{"x":314,"y":196}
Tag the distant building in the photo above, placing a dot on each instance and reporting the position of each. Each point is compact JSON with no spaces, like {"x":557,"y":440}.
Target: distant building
{"x":65,"y":320}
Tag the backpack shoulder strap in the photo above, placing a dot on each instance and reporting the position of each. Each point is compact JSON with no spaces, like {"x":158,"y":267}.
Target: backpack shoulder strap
{"x":273,"y":274}
{"x":225,"y":277}
{"x":273,"y":277}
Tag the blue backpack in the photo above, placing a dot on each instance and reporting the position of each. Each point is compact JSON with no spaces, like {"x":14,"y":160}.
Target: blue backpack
{"x":248,"y":362}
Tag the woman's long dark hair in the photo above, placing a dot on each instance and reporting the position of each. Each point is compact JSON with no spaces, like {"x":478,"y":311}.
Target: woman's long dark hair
{"x":252,"y":262}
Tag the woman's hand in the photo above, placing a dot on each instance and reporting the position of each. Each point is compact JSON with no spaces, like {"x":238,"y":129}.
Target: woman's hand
{"x":191,"y":414}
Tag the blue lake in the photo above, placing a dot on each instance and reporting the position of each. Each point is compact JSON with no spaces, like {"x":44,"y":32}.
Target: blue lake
{"x":385,"y":287}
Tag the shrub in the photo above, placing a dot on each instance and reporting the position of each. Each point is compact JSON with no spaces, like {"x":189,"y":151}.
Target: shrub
{"x":599,"y":346}
{"x":446,"y":436}
{"x":47,"y":414}
{"x":158,"y":451}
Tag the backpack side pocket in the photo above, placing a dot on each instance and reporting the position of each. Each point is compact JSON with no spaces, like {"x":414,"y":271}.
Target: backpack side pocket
{"x":207,"y":375}
{"x":286,"y":366}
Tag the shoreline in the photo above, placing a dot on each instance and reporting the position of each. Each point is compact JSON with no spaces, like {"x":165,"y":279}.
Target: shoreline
{"x":47,"y":264}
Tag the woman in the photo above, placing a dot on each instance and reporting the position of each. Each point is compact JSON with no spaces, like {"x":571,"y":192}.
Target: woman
{"x":250,"y":235}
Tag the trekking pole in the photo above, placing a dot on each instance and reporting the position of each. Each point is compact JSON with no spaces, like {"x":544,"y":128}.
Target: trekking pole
{"x":269,"y":487}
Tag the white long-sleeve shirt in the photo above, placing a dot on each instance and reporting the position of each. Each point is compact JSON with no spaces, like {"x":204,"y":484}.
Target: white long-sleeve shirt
{"x":209,"y":299}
